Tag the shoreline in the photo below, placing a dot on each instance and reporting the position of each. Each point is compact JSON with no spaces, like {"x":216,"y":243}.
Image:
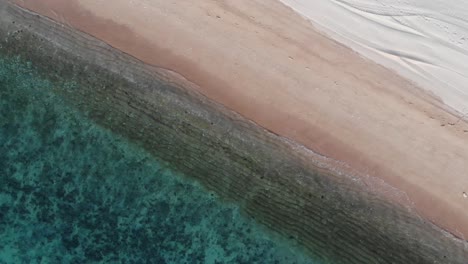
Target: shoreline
{"x":270,"y":141}
{"x":325,"y":97}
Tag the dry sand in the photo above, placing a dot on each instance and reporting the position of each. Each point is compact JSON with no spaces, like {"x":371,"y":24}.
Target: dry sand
{"x":425,"y":41}
{"x":265,"y":62}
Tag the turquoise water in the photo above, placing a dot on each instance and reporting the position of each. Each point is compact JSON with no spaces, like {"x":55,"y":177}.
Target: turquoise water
{"x":72,"y":192}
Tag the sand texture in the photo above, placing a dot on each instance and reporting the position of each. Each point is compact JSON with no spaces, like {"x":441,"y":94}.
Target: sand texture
{"x":425,"y":41}
{"x":264,"y":62}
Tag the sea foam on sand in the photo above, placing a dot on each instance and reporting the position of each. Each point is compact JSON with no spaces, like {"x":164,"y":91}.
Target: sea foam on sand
{"x":424,"y":41}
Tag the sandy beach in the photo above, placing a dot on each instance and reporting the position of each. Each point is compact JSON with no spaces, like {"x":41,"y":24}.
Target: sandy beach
{"x":288,"y":78}
{"x":265,"y":62}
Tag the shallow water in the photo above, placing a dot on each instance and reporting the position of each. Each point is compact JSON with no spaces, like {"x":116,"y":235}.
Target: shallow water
{"x":72,"y":192}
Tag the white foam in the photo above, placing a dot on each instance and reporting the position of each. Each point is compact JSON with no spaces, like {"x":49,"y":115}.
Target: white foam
{"x":423,"y":40}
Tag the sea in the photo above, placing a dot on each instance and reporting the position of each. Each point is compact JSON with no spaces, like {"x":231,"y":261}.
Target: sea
{"x":73,"y":192}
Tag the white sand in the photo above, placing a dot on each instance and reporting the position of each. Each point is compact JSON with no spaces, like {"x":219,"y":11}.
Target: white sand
{"x":424,"y":40}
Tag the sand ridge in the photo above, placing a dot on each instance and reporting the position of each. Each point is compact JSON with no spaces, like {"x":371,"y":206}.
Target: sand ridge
{"x":268,"y":64}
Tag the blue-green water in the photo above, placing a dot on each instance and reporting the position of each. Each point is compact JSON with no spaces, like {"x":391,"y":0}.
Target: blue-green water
{"x":72,"y":192}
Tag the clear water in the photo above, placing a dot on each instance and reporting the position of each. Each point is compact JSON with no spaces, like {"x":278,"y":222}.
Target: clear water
{"x":72,"y":192}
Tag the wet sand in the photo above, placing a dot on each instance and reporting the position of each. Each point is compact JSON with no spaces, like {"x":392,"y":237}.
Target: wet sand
{"x":375,"y":125}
